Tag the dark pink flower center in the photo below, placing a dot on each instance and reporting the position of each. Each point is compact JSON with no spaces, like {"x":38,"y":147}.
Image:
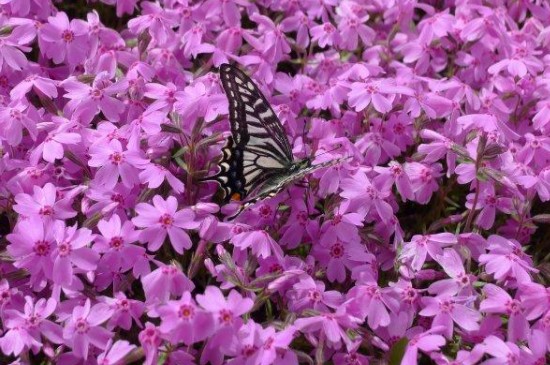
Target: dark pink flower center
{"x":116,"y":243}
{"x":67,"y":36}
{"x":46,"y":210}
{"x":82,"y":326}
{"x":41,"y":248}
{"x":513,"y":307}
{"x":64,"y":249}
{"x":166,"y":220}
{"x":328,"y":28}
{"x":116,"y":158}
{"x":337,"y":250}
{"x":186,"y":312}
{"x":226,"y":316}
{"x":314,"y":295}
{"x":446,"y":306}
{"x":123,"y":305}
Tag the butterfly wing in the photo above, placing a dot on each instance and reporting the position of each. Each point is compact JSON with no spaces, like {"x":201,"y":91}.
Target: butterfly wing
{"x":258,"y":149}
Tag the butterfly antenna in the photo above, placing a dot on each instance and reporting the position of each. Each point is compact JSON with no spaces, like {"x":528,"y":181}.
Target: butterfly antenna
{"x":331,"y":150}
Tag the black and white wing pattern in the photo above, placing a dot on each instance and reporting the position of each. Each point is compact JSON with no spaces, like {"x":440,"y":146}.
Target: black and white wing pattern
{"x":258,"y":148}
{"x":257,"y":159}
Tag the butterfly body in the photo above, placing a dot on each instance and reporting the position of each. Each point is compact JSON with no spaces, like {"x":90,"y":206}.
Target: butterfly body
{"x":257,"y":158}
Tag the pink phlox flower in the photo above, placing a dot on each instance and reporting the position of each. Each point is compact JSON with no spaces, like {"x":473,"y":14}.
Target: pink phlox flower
{"x":489,"y":325}
{"x":23,"y":330}
{"x":487,"y":123}
{"x":116,"y":244}
{"x":115,"y":352}
{"x":447,"y":310}
{"x":369,"y":194}
{"x":489,"y":203}
{"x":39,"y":84}
{"x":537,"y":348}
{"x":199,"y":100}
{"x":371,"y":302}
{"x":227,"y":317}
{"x":83,"y":328}
{"x":164,"y":96}
{"x":424,"y":179}
{"x":86,"y":101}
{"x":332,"y":325}
{"x":113,"y":160}
{"x":192,"y":41}
{"x":273,"y":41}
{"x":295,"y":228}
{"x":125,"y":311}
{"x":65,"y":40}
{"x":154,"y":175}
{"x":156,"y":21}
{"x":421,"y":246}
{"x":15,"y":118}
{"x":54,"y":144}
{"x":381,"y":93}
{"x":352,"y":27}
{"x":536,"y":149}
{"x":438,"y":147}
{"x":150,"y":339}
{"x":166,"y":280}
{"x":427,"y":342}
{"x":182,"y":320}
{"x":109,"y":201}
{"x":375,"y":148}
{"x":13,"y":44}
{"x":345,"y":223}
{"x":72,"y":255}
{"x":501,"y":352}
{"x":310,"y":294}
{"x":325,"y":35}
{"x":395,"y":174}
{"x":523,"y":60}
{"x":300,"y":23}
{"x":337,"y":255}
{"x":459,"y":283}
{"x":506,"y":260}
{"x":535,"y":298}
{"x":260,"y":243}
{"x":46,"y":202}
{"x":398,"y":129}
{"x":274,"y":346}
{"x":500,"y":302}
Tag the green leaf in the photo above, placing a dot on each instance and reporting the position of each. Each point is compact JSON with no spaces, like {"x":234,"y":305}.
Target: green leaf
{"x":397,"y":351}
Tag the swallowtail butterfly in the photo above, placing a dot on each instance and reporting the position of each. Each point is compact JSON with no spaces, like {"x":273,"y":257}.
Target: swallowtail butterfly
{"x":257,"y":158}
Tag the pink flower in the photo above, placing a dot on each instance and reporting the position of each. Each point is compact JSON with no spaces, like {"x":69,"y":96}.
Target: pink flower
{"x":44,"y":203}
{"x":324,"y":34}
{"x":13,"y":45}
{"x":427,"y":342}
{"x":86,"y":101}
{"x":506,"y":260}
{"x":72,"y":254}
{"x":162,"y":219}
{"x":115,"y":352}
{"x":24,"y":329}
{"x":499,"y":301}
{"x":15,"y":118}
{"x":381,"y":93}
{"x":183,"y":320}
{"x":331,"y":325}
{"x":83,"y":328}
{"x":150,"y":339}
{"x":166,"y":280}
{"x":64,"y":40}
{"x":447,"y":310}
{"x":420,"y":246}
{"x":114,"y":161}
{"x":125,"y":311}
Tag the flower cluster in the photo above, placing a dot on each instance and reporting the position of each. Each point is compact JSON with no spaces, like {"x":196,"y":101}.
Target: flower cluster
{"x":427,"y":244}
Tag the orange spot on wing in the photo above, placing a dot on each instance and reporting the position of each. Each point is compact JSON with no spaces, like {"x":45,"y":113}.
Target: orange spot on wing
{"x":236,"y":196}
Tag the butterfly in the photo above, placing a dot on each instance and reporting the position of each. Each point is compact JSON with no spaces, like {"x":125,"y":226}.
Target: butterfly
{"x":257,"y":158}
